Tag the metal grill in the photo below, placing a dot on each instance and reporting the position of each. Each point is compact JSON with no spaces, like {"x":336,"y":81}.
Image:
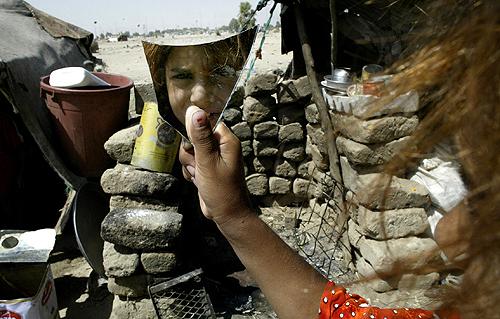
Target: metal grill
{"x":182,"y":297}
{"x":321,"y":230}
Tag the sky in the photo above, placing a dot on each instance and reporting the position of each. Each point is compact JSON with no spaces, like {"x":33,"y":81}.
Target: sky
{"x":101,"y":16}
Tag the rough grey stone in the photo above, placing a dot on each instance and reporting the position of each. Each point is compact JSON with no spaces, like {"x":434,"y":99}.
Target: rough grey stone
{"x":317,"y":136}
{"x":141,"y":228}
{"x":232,"y":115}
{"x":294,"y":152}
{"x":303,"y":188}
{"x":128,"y":180}
{"x":262,"y":83}
{"x":119,"y":261}
{"x":379,"y":130}
{"x":242,"y":131}
{"x":412,"y":281}
{"x":143,"y":92}
{"x":290,"y":91}
{"x":131,"y":307}
{"x":258,"y":109}
{"x":375,"y":192}
{"x":373,"y":154}
{"x":236,"y":99}
{"x":158,"y":262}
{"x":303,"y":169}
{"x":132,"y":287}
{"x":371,"y":278}
{"x":263,"y":164}
{"x":267,"y":129}
{"x":392,"y":223}
{"x":405,"y":253}
{"x":288,"y":114}
{"x":257,"y":184}
{"x":353,"y":233}
{"x":319,"y":159}
{"x":127,"y":201}
{"x":351,"y":175}
{"x":246,"y":148}
{"x":321,"y":177}
{"x":120,"y":145}
{"x":278,"y":185}
{"x":291,"y":133}
{"x":312,"y":114}
{"x":265,"y":148}
{"x":284,"y":168}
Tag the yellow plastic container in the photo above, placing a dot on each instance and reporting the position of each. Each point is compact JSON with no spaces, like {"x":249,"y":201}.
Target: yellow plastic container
{"x":157,"y":142}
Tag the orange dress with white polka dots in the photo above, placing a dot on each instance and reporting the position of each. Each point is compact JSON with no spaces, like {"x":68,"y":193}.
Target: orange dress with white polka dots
{"x":336,"y":303}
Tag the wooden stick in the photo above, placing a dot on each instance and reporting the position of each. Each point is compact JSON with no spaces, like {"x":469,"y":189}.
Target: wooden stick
{"x":326,"y":123}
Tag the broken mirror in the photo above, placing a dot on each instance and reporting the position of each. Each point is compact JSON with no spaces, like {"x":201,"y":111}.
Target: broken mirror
{"x":203,"y":74}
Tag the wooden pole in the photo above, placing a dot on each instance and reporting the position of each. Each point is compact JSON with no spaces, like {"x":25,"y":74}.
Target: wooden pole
{"x":326,"y":123}
{"x":333,"y":15}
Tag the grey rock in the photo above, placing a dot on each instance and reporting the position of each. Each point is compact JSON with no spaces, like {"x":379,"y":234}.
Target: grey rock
{"x":291,"y":133}
{"x":263,"y":164}
{"x":350,"y":174}
{"x":312,"y":114}
{"x":128,"y":180}
{"x":372,"y":279}
{"x":294,"y":152}
{"x":303,"y":169}
{"x":284,"y":168}
{"x":242,"y":131}
{"x":120,"y":145}
{"x":258,"y":109}
{"x":257,"y":184}
{"x":260,"y":84}
{"x":267,"y":129}
{"x":292,"y":113}
{"x":236,"y":99}
{"x":143,"y":92}
{"x":132,"y":287}
{"x":246,"y":148}
{"x":131,"y":307}
{"x":321,"y":177}
{"x":319,"y":159}
{"x":232,"y":115}
{"x":412,"y":281}
{"x":379,"y":130}
{"x":375,"y":192}
{"x":303,"y":188}
{"x":142,"y":229}
{"x":119,"y":261}
{"x":354,"y":233}
{"x":279,"y":185}
{"x":127,"y":201}
{"x":158,"y":262}
{"x":317,"y":136}
{"x":291,"y":91}
{"x":265,"y":148}
{"x":406,"y":253}
{"x":392,"y":223}
{"x":372,"y":154}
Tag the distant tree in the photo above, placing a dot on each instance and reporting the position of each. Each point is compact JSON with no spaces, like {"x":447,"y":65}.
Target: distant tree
{"x":245,"y":14}
{"x":102,"y":36}
{"x":234,"y":25}
{"x":109,"y":34}
{"x":126,"y":33}
{"x":135,"y":34}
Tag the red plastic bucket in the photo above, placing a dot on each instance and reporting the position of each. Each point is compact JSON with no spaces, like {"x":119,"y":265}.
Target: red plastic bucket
{"x":85,"y":118}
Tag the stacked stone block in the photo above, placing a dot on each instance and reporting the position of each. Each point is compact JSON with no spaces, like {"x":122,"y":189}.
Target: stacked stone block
{"x":269,"y":120}
{"x":143,"y":225}
{"x":387,"y":226}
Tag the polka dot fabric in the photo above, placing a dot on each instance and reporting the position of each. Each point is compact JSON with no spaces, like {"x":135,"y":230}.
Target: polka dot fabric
{"x":336,"y":303}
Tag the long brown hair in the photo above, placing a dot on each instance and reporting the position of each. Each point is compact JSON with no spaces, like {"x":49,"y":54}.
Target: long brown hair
{"x":455,"y":66}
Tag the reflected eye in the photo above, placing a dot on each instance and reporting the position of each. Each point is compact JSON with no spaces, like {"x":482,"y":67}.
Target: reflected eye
{"x":182,"y":76}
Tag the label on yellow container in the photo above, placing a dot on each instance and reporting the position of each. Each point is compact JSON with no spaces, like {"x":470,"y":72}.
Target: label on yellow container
{"x":157,"y":142}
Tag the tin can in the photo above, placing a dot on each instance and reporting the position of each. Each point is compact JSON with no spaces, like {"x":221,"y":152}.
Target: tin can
{"x":157,"y":142}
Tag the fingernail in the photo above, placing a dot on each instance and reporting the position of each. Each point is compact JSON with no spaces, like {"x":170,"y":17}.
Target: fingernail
{"x":199,"y":118}
{"x":191,"y":170}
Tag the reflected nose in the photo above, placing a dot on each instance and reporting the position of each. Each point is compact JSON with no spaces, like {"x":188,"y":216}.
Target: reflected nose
{"x":202,"y":95}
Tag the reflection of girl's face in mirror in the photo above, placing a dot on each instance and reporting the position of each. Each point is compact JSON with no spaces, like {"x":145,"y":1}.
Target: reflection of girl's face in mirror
{"x":194,"y":77}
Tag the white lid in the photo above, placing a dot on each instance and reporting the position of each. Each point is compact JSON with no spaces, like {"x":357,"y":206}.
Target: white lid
{"x":72,"y":77}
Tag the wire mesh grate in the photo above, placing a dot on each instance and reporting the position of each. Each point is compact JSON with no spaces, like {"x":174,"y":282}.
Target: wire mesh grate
{"x":321,"y":230}
{"x":182,"y":297}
